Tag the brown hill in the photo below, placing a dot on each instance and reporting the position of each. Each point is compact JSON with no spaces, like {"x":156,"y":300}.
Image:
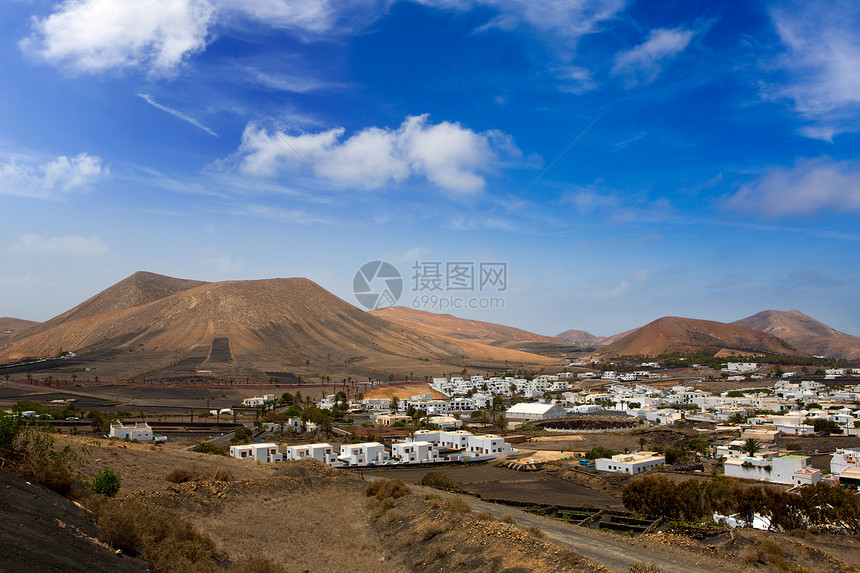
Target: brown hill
{"x":157,"y":326}
{"x":805,"y":333}
{"x":455,"y":327}
{"x":674,"y":334}
{"x":580,"y":337}
{"x":9,"y":325}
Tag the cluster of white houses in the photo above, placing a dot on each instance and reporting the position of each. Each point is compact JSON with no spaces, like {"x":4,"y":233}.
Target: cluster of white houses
{"x":426,"y":446}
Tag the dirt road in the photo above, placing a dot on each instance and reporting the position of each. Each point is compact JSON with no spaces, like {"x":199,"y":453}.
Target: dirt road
{"x":604,"y":548}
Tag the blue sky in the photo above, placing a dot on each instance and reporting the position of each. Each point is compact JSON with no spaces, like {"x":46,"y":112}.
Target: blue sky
{"x":626,"y":160}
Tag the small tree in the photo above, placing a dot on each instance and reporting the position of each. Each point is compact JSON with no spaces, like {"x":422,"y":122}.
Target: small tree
{"x":106,"y":482}
{"x":751,"y":446}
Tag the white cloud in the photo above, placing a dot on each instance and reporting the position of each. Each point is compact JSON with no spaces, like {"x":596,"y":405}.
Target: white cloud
{"x":62,"y":175}
{"x":148,"y":99}
{"x":446,"y":154}
{"x":573,"y":18}
{"x":304,"y":15}
{"x":822,"y":58}
{"x":644,"y":63}
{"x":71,"y":245}
{"x":98,"y":35}
{"x":811,"y":185}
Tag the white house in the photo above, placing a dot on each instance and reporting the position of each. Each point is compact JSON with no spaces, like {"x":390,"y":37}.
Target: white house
{"x":632,"y":464}
{"x":789,"y":470}
{"x":257,"y":401}
{"x":266,"y":452}
{"x":139,"y":431}
{"x":535,"y":411}
{"x":844,"y":458}
{"x":322,"y":452}
{"x":489,"y":444}
{"x":451,"y":439}
{"x":414,"y":452}
{"x":362,"y":454}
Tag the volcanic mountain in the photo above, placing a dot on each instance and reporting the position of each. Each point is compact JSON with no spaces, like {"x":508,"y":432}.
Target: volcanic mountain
{"x":673,"y":334}
{"x":805,"y":333}
{"x":154,"y":326}
{"x":580,"y":337}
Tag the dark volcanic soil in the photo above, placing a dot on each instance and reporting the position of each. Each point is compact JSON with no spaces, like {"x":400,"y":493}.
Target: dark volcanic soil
{"x":43,"y":531}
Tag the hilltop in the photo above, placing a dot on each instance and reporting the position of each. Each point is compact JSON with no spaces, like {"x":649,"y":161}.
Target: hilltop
{"x":9,"y":325}
{"x":683,"y":335}
{"x":149,"y":325}
{"x":805,"y":333}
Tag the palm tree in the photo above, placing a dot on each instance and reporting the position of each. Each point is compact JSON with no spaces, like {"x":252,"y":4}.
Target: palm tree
{"x":751,"y":446}
{"x":642,"y":442}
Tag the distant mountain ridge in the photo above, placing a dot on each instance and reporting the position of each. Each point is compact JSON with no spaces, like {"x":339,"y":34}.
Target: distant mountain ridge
{"x":683,"y":335}
{"x":580,"y":337}
{"x":805,"y":333}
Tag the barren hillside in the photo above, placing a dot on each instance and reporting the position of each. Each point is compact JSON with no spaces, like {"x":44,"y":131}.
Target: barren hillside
{"x":675,"y":334}
{"x":455,"y":327}
{"x":805,"y":333}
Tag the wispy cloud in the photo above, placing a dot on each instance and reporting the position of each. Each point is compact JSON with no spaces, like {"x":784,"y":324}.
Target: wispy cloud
{"x":223,"y":264}
{"x":25,"y":177}
{"x":811,"y":185}
{"x":643,"y":63}
{"x":71,"y":245}
{"x":176,"y":113}
{"x":822,"y":59}
{"x":617,"y":207}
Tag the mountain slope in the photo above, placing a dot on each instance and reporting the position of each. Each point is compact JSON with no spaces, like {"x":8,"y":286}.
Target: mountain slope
{"x":674,"y":334}
{"x":9,"y":325}
{"x":805,"y":333}
{"x":455,"y":327}
{"x":242,"y":329}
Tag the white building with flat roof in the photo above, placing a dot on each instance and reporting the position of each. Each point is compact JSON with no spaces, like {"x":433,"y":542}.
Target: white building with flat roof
{"x":414,"y":452}
{"x":266,"y":452}
{"x":322,"y":452}
{"x":363,"y":454}
{"x":632,"y":464}
{"x":535,"y":411}
{"x":140,"y":431}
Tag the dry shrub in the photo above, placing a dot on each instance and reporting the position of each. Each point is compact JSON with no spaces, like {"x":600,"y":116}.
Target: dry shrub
{"x":456,"y":504}
{"x":432,"y":530}
{"x":436,"y":552}
{"x":508,"y":518}
{"x":165,"y":541}
{"x":535,"y":531}
{"x":257,"y":565}
{"x":387,"y":488}
{"x":484,"y":516}
{"x":181,"y":475}
{"x":52,"y":473}
{"x":642,"y":567}
{"x":429,"y":496}
{"x":222,"y":474}
{"x":393,"y":515}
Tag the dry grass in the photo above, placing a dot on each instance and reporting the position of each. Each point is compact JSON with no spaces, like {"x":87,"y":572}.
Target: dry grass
{"x":508,"y":518}
{"x":456,"y":504}
{"x":319,"y":531}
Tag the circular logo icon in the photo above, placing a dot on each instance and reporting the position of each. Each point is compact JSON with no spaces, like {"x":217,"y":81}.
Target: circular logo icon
{"x":377,"y":284}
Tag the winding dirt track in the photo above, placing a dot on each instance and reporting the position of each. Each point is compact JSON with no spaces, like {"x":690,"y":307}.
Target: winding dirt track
{"x":603,"y":548}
